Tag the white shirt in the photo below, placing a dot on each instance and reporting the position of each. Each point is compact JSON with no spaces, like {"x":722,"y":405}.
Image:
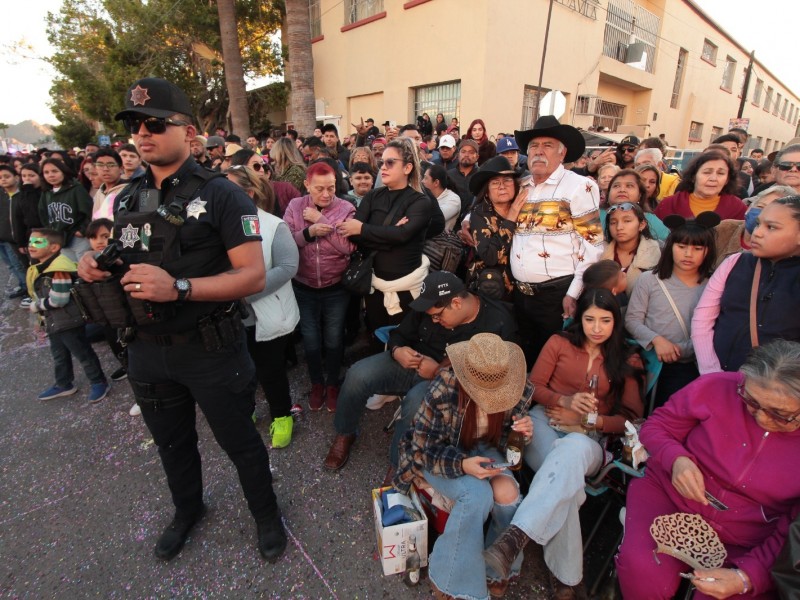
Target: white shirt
{"x":558,"y":230}
{"x":450,"y":203}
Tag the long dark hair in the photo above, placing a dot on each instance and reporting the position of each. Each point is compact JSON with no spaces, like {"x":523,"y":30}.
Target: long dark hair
{"x":638,"y":211}
{"x":691,"y":234}
{"x":689,"y":175}
{"x":616,"y":351}
{"x":69,"y":176}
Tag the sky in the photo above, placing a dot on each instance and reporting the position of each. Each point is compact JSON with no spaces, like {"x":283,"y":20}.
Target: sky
{"x":769,"y":30}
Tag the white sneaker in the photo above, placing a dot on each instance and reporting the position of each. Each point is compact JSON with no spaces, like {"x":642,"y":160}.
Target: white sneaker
{"x":135,"y":411}
{"x":376,"y":401}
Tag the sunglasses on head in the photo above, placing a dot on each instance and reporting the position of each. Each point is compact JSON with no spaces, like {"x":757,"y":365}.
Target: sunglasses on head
{"x":622,"y":206}
{"x":152,"y":124}
{"x":787,"y":166}
{"x":38,"y":242}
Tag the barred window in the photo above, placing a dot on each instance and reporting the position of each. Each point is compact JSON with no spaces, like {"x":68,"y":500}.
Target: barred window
{"x":758,"y":90}
{"x":696,"y":132}
{"x":728,"y":74}
{"x":315,"y":17}
{"x":709,"y":52}
{"x":438,"y":98}
{"x":357,"y":10}
{"x":623,"y":19}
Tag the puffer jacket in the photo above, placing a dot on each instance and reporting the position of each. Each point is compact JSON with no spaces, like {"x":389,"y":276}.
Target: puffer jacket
{"x":322,"y":259}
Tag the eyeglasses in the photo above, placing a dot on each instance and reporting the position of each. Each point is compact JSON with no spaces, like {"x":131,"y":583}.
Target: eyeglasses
{"x":108,"y":165}
{"x":501,"y":182}
{"x":390,"y":162}
{"x":38,"y":242}
{"x":622,"y":206}
{"x":436,"y":317}
{"x":629,"y":149}
{"x":787,"y":166}
{"x":753,"y":403}
{"x":152,"y":124}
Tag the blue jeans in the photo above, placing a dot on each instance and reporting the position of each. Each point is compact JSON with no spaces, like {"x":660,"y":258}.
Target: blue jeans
{"x":456,"y":565}
{"x":65,"y":344}
{"x":549,"y":513}
{"x":322,"y":317}
{"x":8,"y":253}
{"x":409,"y":407}
{"x":376,"y":374}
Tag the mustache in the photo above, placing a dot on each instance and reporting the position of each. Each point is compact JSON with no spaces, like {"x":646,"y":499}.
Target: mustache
{"x":538,"y":159}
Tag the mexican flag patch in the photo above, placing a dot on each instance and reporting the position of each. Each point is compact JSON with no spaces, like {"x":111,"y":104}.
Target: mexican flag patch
{"x":250,"y":225}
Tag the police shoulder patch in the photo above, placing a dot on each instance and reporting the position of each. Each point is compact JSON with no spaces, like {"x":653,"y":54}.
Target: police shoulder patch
{"x":251,"y":225}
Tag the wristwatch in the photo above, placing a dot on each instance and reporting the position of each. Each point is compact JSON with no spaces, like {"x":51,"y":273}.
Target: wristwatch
{"x":184,"y":287}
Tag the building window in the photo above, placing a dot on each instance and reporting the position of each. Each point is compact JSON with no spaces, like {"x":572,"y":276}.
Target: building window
{"x":777,"y":106}
{"x":438,"y":98}
{"x":728,"y":74}
{"x":679,"y":71}
{"x":767,"y":146}
{"x":530,"y":105}
{"x":606,"y":114}
{"x":696,"y":132}
{"x":709,"y":52}
{"x":768,"y":99}
{"x":715,"y":133}
{"x":358,"y":10}
{"x":758,"y":90}
{"x":785,"y":108}
{"x":315,"y":18}
{"x":626,"y":21}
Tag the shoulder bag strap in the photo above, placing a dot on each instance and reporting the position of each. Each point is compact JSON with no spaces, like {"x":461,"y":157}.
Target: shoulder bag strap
{"x":754,"y":303}
{"x":674,"y":308}
{"x":389,"y":218}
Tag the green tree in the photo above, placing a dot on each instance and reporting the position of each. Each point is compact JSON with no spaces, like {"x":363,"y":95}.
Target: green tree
{"x":102,"y":46}
{"x":3,"y":127}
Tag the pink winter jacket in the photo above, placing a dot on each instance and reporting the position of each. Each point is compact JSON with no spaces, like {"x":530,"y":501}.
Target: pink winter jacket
{"x":323,"y":259}
{"x":752,"y":471}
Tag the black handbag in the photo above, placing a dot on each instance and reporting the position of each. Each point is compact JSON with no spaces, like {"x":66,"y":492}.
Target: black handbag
{"x":490,"y":283}
{"x":357,"y":277}
{"x":445,"y":251}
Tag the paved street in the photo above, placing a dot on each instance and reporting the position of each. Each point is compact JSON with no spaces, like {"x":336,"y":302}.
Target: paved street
{"x":83,"y":499}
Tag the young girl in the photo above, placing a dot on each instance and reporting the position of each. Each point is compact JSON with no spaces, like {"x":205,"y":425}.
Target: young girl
{"x":459,"y":430}
{"x":725,"y":326}
{"x":628,"y":185}
{"x":592,"y":346}
{"x":629,"y":241}
{"x":660,"y":310}
{"x":65,"y":206}
{"x":651,"y":177}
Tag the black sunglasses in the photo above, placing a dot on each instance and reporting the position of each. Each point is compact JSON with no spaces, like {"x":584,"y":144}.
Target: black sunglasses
{"x":152,"y":124}
{"x":787,"y":166}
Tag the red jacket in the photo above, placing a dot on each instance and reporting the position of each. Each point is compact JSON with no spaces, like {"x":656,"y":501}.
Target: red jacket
{"x":323,"y":259}
{"x":729,"y":207}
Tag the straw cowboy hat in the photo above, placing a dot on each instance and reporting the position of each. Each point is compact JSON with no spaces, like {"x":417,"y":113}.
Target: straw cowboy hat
{"x":491,"y":371}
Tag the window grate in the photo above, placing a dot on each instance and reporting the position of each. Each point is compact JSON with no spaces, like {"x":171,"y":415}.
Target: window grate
{"x":438,"y":98}
{"x":627,"y":21}
{"x":357,"y":10}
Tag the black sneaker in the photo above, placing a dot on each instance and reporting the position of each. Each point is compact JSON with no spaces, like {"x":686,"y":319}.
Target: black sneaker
{"x":174,"y":536}
{"x":17,"y":293}
{"x":271,"y":537}
{"x":119,"y":374}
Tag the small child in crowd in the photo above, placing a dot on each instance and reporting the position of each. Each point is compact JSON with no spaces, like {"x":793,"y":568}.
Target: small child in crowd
{"x":49,"y":281}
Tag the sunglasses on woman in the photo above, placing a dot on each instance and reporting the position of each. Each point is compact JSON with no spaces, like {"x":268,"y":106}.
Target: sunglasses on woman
{"x":152,"y":124}
{"x":753,"y":403}
{"x":622,"y":206}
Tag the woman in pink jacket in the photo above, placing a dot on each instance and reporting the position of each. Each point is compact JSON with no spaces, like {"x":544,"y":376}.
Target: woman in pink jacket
{"x":730,"y":440}
{"x":324,"y":256}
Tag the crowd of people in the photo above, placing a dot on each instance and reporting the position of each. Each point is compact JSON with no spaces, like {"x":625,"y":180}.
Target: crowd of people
{"x":569,"y":264}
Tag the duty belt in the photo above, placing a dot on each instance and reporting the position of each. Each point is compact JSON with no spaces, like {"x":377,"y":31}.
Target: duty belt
{"x":172,"y":339}
{"x":531,"y":289}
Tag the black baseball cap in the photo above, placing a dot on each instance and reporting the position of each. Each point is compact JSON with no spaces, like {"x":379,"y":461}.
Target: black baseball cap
{"x":155,"y":98}
{"x":437,"y":286}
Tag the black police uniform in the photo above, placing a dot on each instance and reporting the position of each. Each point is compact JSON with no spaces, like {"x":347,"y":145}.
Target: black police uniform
{"x":170,"y":365}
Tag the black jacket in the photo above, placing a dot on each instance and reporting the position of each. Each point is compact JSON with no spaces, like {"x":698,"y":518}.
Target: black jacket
{"x":26,"y":213}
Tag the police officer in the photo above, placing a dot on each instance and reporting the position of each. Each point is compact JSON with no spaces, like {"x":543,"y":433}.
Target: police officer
{"x":191,"y":247}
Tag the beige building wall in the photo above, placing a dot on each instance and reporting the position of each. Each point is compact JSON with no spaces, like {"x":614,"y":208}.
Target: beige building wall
{"x":494,"y":48}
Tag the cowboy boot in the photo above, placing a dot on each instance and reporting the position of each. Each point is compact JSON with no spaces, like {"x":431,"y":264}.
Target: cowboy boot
{"x":505,"y":549}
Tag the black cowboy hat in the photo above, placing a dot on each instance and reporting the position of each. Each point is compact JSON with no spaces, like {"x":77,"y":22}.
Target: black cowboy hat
{"x":494,"y":167}
{"x":548,"y":126}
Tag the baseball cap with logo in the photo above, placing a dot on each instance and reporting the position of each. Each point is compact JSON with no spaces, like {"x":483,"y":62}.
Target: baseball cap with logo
{"x":448,"y":141}
{"x":155,"y":98}
{"x":437,"y":286}
{"x":630,"y":140}
{"x":215,"y":141}
{"x":507,"y":144}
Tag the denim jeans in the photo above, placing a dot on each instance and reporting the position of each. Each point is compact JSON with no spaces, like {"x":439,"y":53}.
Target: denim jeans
{"x":409,"y":406}
{"x":75,"y":249}
{"x":322,"y":317}
{"x":65,"y":344}
{"x":9,"y":255}
{"x":377,"y":374}
{"x":456,"y":565}
{"x":549,"y":513}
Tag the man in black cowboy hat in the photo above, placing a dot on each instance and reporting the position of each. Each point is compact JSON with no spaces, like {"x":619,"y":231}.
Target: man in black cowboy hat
{"x":190,"y":246}
{"x":558,"y":233}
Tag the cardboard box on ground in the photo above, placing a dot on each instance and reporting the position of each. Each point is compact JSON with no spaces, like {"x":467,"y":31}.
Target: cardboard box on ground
{"x":393,"y":540}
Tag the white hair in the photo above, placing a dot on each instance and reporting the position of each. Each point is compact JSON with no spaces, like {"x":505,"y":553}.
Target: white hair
{"x":654,"y":153}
